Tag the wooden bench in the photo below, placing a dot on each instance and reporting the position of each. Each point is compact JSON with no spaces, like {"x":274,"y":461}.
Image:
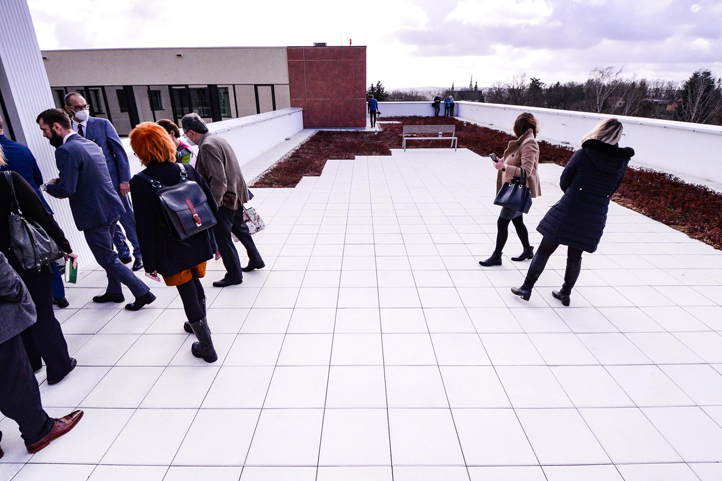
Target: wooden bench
{"x":430,"y":132}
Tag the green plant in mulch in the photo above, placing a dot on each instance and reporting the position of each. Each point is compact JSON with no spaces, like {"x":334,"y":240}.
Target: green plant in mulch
{"x":692,"y":209}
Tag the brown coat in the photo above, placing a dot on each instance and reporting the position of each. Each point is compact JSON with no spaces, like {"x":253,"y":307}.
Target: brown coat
{"x":218,"y":165}
{"x":523,"y":153}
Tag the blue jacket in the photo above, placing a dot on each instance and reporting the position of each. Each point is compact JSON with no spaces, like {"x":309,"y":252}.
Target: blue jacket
{"x":84,"y":179}
{"x":21,"y":160}
{"x":373,"y":104}
{"x":103,"y":133}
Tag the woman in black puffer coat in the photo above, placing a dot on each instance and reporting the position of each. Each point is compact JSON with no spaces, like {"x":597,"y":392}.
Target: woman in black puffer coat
{"x":592,"y":176}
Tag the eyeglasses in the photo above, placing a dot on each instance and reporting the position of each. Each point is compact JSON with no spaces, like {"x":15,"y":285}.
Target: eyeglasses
{"x":78,"y":108}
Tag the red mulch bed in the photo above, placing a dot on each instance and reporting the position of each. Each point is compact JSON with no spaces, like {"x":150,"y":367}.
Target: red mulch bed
{"x":692,"y":209}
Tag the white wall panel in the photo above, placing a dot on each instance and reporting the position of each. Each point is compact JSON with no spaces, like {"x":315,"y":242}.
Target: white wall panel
{"x":26,"y":92}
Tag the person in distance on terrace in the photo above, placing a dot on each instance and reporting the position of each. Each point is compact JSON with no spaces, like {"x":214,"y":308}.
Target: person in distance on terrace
{"x":592,"y":176}
{"x":521,"y":154}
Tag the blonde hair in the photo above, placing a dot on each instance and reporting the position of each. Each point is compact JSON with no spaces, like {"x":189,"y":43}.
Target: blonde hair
{"x":608,"y":131}
{"x":2,"y":157}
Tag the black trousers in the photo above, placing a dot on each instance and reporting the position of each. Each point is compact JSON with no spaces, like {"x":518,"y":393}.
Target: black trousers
{"x":191,"y":294}
{"x":446,"y":110}
{"x":372,"y":114}
{"x":437,"y":108}
{"x":548,"y":247}
{"x":231,"y":222}
{"x":44,"y":339}
{"x":451,"y":110}
{"x":20,"y":394}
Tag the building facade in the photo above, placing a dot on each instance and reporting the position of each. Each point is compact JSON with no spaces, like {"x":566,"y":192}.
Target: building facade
{"x":129,"y":86}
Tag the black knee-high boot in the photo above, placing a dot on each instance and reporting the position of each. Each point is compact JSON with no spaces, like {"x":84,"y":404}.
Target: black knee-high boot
{"x":574,"y":268}
{"x":204,"y":347}
{"x":536,"y":267}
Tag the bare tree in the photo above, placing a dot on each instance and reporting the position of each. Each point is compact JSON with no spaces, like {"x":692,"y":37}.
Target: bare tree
{"x":632,"y":94}
{"x":701,"y":98}
{"x":662,"y":97}
{"x":497,"y":93}
{"x":602,"y":83}
{"x":516,"y":89}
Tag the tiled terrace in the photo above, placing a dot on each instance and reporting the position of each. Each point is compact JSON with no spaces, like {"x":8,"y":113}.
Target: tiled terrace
{"x":374,"y":347}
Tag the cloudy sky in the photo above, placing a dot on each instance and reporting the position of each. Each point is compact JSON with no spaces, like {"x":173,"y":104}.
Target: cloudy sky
{"x":416,"y":43}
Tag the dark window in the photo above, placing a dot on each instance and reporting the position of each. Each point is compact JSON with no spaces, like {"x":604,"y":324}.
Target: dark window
{"x":201,"y":101}
{"x":225,"y":101}
{"x":156,"y":100}
{"x":122,"y":100}
{"x":95,"y":104}
{"x":59,"y":98}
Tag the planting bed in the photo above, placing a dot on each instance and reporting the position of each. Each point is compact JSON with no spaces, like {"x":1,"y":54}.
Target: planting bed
{"x":692,"y":209}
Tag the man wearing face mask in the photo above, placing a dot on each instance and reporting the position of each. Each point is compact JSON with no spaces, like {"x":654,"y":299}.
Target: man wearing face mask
{"x":103,"y":133}
{"x":85,"y":181}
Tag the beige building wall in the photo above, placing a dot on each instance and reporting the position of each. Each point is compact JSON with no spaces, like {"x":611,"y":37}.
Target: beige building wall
{"x":163,"y":66}
{"x":283,"y":97}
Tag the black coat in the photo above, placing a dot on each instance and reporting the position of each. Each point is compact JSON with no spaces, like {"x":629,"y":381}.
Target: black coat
{"x":161,"y":252}
{"x":590,"y":178}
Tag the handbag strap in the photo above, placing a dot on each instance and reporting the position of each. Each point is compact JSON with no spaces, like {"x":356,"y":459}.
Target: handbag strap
{"x":14,"y":206}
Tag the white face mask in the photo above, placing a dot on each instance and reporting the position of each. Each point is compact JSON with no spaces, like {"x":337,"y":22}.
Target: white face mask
{"x":82,"y":116}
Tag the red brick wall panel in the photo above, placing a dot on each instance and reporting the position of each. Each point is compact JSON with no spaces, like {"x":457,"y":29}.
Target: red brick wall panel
{"x":329,"y":83}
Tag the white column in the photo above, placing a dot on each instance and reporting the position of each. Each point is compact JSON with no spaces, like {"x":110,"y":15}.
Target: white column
{"x":26,"y":92}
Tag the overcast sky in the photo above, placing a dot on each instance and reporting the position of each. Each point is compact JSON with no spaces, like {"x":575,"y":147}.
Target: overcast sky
{"x":416,"y":43}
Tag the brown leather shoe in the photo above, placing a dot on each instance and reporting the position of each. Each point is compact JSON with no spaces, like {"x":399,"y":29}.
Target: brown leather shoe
{"x":61,"y":427}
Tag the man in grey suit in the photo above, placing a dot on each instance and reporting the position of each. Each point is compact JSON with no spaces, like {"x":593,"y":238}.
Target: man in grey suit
{"x":19,"y":392}
{"x":95,"y":204}
{"x":103,"y":133}
{"x":218,"y":165}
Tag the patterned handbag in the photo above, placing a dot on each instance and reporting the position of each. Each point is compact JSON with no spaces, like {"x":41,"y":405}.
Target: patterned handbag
{"x":253,"y":220}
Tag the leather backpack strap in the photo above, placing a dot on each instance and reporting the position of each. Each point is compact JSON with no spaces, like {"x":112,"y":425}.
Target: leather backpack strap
{"x":183,"y":173}
{"x":150,"y":180}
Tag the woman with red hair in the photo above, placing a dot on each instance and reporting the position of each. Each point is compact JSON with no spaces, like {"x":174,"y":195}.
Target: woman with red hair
{"x":182,"y":264}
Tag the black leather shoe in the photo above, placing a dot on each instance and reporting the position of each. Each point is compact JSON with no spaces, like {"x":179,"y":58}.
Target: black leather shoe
{"x":227,"y":282}
{"x":61,"y":302}
{"x":527,"y":254}
{"x":141,"y":302}
{"x":137,"y":265}
{"x":73,"y":363}
{"x":494,"y":260}
{"x":108,"y":297}
{"x":254,"y":265}
{"x":125,"y":260}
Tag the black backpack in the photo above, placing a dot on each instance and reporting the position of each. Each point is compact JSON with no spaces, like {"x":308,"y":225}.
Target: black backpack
{"x":185,"y":205}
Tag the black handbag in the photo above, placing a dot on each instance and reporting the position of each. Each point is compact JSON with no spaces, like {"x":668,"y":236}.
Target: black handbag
{"x":515,"y":194}
{"x":32,"y":246}
{"x":185,"y":205}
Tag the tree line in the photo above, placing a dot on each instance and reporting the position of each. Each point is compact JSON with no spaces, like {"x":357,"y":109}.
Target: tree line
{"x":698,"y":99}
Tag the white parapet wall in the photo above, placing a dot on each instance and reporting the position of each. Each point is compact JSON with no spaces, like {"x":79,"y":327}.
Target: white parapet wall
{"x":250,"y":136}
{"x":692,"y":151}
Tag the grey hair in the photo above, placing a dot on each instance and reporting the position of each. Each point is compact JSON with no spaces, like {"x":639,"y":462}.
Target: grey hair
{"x":70,"y":95}
{"x":2,"y":156}
{"x":193,"y":122}
{"x":608,"y":131}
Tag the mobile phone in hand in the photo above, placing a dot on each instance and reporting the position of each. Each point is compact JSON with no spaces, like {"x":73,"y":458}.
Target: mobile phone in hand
{"x":493,"y":157}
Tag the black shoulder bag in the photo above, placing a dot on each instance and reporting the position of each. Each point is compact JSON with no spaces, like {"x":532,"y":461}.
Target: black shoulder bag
{"x":32,"y":246}
{"x":515,"y":194}
{"x":185,"y":205}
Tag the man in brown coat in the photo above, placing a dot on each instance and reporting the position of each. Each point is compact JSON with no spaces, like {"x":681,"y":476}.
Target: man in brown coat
{"x":218,"y":165}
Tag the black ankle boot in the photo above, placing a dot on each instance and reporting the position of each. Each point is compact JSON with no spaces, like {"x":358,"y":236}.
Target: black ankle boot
{"x":538,"y":263}
{"x":187,"y":325}
{"x":204,"y":347}
{"x":527,"y":254}
{"x":574,"y":268}
{"x":494,"y":260}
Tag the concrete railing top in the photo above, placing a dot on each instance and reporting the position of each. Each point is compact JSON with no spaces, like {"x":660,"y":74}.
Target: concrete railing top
{"x":667,"y":124}
{"x":230,"y":124}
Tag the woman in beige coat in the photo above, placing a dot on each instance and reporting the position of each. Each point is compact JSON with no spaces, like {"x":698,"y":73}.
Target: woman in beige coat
{"x":520,"y":155}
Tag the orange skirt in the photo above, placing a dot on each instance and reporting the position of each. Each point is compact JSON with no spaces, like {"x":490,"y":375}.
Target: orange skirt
{"x":182,"y":277}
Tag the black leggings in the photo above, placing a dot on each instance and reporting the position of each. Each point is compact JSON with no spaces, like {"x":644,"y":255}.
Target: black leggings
{"x":191,"y":294}
{"x":502,"y":233}
{"x":548,"y":247}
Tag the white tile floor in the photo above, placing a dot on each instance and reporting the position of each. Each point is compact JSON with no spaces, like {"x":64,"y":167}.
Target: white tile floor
{"x":373,"y":347}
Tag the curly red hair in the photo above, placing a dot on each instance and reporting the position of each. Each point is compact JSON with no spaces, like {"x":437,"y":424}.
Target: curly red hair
{"x":151,"y":143}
